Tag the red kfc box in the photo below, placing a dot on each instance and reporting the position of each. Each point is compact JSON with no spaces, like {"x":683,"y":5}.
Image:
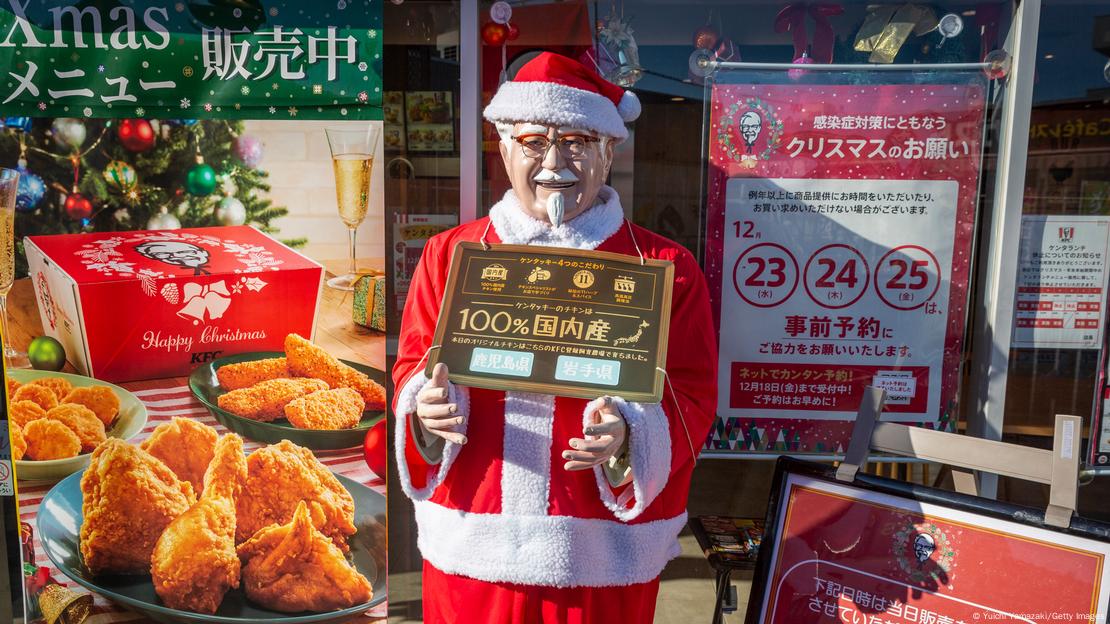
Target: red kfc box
{"x":149,"y":304}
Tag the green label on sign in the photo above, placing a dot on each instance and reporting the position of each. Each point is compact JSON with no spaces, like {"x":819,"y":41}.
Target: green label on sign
{"x":260,"y":59}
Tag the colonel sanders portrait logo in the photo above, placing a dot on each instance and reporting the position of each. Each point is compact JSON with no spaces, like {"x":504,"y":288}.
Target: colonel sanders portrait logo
{"x":749,"y":131}
{"x":176,"y":253}
{"x":925,"y":553}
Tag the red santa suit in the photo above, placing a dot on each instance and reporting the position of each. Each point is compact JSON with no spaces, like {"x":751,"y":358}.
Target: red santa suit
{"x":507,"y":534}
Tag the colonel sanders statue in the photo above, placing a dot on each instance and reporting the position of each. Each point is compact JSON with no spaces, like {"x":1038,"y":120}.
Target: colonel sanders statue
{"x":538,"y":508}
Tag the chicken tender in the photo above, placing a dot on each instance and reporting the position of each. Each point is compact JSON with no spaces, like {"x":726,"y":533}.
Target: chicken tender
{"x":50,"y":439}
{"x":247,"y":374}
{"x":19,"y":443}
{"x":82,"y":421}
{"x":307,"y":360}
{"x":266,"y":401}
{"x":58,"y":385}
{"x":293,"y":567}
{"x":22,"y":412}
{"x":194,"y":562}
{"x":100,"y":399}
{"x":282,"y":475}
{"x":129,"y":498}
{"x":186,"y":447}
{"x":40,"y":395}
{"x":328,"y":409}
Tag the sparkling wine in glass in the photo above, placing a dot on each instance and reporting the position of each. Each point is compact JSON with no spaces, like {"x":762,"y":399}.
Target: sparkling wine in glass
{"x":9,"y":183}
{"x":352,"y":156}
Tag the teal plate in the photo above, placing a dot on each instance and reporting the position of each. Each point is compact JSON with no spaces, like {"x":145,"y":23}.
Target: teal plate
{"x":59,"y":521}
{"x":206,"y":388}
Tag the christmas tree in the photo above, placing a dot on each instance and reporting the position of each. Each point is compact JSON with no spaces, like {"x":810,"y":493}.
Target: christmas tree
{"x":133,"y":174}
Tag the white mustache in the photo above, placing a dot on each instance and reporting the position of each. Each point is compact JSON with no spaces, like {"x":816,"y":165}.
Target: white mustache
{"x":562,"y":175}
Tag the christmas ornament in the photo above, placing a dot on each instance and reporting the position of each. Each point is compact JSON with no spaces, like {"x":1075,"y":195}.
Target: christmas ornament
{"x":78,"y":206}
{"x":249,"y":150}
{"x":163,"y":221}
{"x":618,"y":56}
{"x":501,"y":12}
{"x":796,"y":74}
{"x":726,"y":51}
{"x":706,"y":37}
{"x":18,"y":123}
{"x":120,"y":176}
{"x":46,"y":353}
{"x":136,"y":135}
{"x":374,"y":448}
{"x":231,"y":211}
{"x":887,"y":27}
{"x":61,"y":605}
{"x":69,"y":131}
{"x":201,"y":179}
{"x":793,"y":17}
{"x":514,"y":32}
{"x":494,"y":34}
{"x":31,"y":189}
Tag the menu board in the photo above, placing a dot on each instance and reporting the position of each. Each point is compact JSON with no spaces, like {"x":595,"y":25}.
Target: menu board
{"x":430,"y":121}
{"x":567,"y":322}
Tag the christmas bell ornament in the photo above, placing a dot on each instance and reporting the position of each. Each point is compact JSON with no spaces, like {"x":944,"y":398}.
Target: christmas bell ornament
{"x":163,"y":221}
{"x":618,"y":55}
{"x":46,"y":353}
{"x":231,"y":211}
{"x":494,"y":34}
{"x":201,"y":179}
{"x":136,"y":135}
{"x":120,"y":176}
{"x":69,"y":131}
{"x":706,"y":37}
{"x":31,"y":189}
{"x":249,"y":150}
{"x":77,"y":206}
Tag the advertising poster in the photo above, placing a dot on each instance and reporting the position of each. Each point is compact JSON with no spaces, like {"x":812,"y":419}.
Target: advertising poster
{"x":1061,"y":282}
{"x":840,"y":222}
{"x":847,"y":554}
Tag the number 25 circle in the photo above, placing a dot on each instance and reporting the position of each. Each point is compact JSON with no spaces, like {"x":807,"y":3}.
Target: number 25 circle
{"x":907,"y":277}
{"x":765,"y":275}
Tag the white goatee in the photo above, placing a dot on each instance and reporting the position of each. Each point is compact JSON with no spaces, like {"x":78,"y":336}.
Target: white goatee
{"x":556,"y":209}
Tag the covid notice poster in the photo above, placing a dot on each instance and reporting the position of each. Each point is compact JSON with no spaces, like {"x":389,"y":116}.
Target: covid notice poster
{"x":840,"y":223}
{"x":842,"y":553}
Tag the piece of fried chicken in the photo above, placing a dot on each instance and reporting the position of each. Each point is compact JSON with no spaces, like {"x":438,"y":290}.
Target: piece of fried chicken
{"x":194,"y":561}
{"x":282,"y":475}
{"x":186,"y":446}
{"x":294,"y":567}
{"x":247,"y":374}
{"x":266,"y":400}
{"x":129,"y":499}
{"x":307,"y":360}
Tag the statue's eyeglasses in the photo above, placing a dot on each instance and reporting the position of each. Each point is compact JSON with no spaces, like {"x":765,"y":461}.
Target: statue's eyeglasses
{"x":572,"y":146}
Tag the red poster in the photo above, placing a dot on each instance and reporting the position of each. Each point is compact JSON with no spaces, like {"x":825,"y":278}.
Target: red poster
{"x":840,"y":228}
{"x":845,"y":554}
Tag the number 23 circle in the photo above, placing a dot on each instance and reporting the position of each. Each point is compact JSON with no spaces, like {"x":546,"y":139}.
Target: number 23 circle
{"x":765,"y":275}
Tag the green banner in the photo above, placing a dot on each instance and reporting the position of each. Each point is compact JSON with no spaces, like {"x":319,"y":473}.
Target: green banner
{"x":257,"y":59}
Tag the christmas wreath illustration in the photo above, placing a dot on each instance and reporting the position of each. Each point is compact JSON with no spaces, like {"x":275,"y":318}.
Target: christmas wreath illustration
{"x":742,"y":125}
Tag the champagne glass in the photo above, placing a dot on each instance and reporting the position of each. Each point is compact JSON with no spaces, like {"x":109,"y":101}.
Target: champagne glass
{"x":352,"y":157}
{"x":9,"y":184}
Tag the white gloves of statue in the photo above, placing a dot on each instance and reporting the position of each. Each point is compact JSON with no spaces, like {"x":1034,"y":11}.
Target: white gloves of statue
{"x":605,"y":437}
{"x":436,"y":416}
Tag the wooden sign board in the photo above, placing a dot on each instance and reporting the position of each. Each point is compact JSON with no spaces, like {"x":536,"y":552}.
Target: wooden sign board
{"x":566,"y":322}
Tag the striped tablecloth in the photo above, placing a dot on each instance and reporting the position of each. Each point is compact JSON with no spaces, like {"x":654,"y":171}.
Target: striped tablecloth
{"x":163,"y":404}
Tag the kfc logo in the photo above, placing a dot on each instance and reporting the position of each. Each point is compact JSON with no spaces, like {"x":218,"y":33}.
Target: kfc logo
{"x":1066,"y":234}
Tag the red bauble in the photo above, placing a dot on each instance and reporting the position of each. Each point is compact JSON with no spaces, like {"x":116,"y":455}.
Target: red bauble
{"x":135,"y":134}
{"x":514,"y":32}
{"x":494,"y":34}
{"x":374,"y":448}
{"x":705,"y":38}
{"x":78,"y":206}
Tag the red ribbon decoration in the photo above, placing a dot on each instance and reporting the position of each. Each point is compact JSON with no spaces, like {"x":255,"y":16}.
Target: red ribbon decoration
{"x":793,"y":18}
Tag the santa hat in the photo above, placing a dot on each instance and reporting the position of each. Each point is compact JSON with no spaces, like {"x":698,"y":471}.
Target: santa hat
{"x":554,"y":89}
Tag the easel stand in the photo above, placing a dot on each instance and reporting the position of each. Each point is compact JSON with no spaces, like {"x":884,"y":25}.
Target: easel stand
{"x":1058,"y":468}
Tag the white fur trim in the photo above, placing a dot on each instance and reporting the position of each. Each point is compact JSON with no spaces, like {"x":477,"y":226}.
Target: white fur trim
{"x":552,"y":551}
{"x":629,"y":108}
{"x":586,"y":231}
{"x":406,"y":406}
{"x":526,"y":466}
{"x":552,"y":103}
{"x":650,"y":447}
